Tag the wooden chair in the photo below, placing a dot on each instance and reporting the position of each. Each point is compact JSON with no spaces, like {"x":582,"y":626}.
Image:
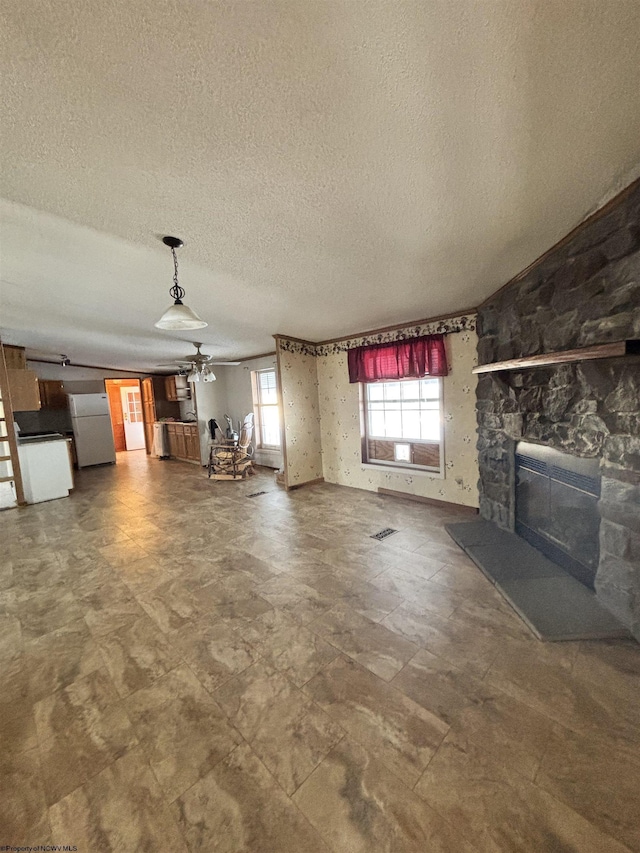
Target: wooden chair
{"x":231,"y":460}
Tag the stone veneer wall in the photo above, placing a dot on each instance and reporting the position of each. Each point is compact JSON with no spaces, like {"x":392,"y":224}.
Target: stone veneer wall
{"x":585,"y":292}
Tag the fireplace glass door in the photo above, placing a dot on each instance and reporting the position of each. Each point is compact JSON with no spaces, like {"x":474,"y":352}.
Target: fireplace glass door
{"x":557,"y":507}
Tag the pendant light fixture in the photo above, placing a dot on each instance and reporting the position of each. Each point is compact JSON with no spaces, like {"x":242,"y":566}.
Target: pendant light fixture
{"x":178,"y":317}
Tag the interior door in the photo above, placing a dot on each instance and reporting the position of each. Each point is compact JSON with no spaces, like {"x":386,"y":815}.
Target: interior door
{"x":115,"y":409}
{"x":132,"y":418}
{"x":148,"y":411}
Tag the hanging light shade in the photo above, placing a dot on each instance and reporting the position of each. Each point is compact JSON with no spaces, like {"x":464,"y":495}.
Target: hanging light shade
{"x":201,"y":373}
{"x":178,"y":317}
{"x":208,"y":375}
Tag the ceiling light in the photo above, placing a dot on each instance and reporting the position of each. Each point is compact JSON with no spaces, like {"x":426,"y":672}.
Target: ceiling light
{"x":201,"y":372}
{"x":178,"y":317}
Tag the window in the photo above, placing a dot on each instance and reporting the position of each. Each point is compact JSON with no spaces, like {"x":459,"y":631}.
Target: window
{"x":403,"y":423}
{"x":265,"y":404}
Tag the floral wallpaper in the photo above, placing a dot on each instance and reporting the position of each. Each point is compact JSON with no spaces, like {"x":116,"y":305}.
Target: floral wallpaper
{"x":321,"y":411}
{"x":340,"y":427}
{"x":301,"y":415}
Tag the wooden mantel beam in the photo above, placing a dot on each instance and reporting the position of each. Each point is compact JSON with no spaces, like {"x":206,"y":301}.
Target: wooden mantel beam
{"x":547,"y":359}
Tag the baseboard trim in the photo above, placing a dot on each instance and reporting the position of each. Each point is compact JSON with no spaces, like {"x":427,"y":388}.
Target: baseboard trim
{"x":308,"y":483}
{"x":472,"y":510}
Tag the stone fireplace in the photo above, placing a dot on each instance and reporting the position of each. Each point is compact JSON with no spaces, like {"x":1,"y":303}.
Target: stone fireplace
{"x":585,"y":291}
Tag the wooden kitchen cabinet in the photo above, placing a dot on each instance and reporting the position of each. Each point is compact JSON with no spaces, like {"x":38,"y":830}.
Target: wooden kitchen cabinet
{"x":149,"y":414}
{"x":155,"y":406}
{"x":170,"y":391}
{"x":184,"y":442}
{"x":171,"y":439}
{"x":177,"y":388}
{"x":192,"y":441}
{"x":52,"y":394}
{"x":23,"y":390}
{"x":181,"y":447}
{"x":15,"y":357}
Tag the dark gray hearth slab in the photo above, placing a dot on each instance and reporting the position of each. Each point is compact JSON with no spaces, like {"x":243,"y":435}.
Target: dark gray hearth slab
{"x":552,"y":603}
{"x":470,"y":533}
{"x":513,"y":560}
{"x":500,"y":554}
{"x":561,"y":609}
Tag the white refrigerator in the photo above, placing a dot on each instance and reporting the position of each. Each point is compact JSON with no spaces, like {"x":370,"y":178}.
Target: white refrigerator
{"x":92,"y":430}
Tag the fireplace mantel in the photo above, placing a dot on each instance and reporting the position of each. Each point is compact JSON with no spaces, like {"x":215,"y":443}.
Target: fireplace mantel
{"x":547,"y":359}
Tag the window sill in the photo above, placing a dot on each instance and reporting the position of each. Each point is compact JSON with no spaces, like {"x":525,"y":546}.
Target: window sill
{"x":403,"y":469}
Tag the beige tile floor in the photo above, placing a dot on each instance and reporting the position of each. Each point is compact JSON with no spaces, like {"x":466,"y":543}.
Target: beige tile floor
{"x":183,"y":667}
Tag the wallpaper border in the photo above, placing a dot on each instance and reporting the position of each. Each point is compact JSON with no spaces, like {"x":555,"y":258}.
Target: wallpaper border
{"x":297,"y":347}
{"x":449,"y":326}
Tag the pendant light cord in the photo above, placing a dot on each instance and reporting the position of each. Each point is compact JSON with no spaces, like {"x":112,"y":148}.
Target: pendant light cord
{"x":176,"y":291}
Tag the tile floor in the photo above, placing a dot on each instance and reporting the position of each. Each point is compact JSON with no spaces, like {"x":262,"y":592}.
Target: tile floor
{"x":186,"y":668}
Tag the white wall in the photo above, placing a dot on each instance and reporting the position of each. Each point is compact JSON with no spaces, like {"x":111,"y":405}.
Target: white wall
{"x":79,"y":380}
{"x":210,"y":400}
{"x":231,"y":394}
{"x":240,"y":394}
{"x":240,"y":401}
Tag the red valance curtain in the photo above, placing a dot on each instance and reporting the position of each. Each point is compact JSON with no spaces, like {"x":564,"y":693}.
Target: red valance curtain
{"x":411,"y":359}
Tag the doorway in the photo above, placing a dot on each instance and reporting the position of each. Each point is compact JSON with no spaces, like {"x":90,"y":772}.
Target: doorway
{"x":132,"y":411}
{"x":125,"y":407}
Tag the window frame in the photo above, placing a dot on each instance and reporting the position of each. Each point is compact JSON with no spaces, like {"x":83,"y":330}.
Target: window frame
{"x":258,"y":405}
{"x":395,"y":465}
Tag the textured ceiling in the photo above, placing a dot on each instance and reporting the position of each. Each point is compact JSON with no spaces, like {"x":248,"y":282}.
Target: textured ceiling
{"x":331,"y":166}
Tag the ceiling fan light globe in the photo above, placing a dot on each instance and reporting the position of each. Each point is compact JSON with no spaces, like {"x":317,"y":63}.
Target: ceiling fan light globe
{"x":209,"y":376}
{"x":180,"y":318}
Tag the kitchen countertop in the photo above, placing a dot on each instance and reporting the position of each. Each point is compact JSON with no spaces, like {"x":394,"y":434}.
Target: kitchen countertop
{"x":39,"y":439}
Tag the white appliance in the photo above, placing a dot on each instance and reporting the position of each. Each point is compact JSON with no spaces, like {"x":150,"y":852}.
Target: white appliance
{"x":45,"y":467}
{"x":160,"y":442}
{"x":92,"y":430}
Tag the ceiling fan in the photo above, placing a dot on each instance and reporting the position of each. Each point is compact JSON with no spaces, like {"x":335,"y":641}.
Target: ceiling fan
{"x":196,"y":361}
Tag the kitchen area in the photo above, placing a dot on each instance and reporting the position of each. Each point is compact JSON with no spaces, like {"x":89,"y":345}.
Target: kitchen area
{"x":55,"y":430}
{"x":67,"y":418}
{"x":170,"y":418}
{"x":65,"y":424}
{"x":42,"y":453}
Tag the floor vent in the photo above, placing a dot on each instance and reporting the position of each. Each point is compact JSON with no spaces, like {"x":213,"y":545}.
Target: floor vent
{"x":388,"y":531}
{"x":256,"y":494}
